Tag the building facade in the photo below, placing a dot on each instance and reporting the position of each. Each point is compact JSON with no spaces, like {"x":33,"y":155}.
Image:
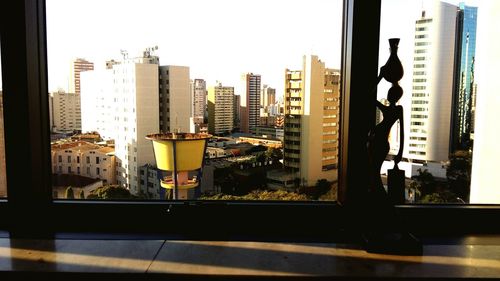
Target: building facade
{"x":77,"y":66}
{"x":220,"y":109}
{"x":175,"y":98}
{"x":150,"y":182}
{"x":199,"y":95}
{"x":463,"y":91}
{"x":65,"y":112}
{"x":267,"y":97}
{"x":84,"y":159}
{"x":311,"y":121}
{"x":250,"y":102}
{"x":122,"y":103}
{"x":431,"y":96}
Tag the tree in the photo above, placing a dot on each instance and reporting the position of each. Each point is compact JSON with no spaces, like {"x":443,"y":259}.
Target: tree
{"x":274,"y":153}
{"x":322,"y":186}
{"x":108,"y":192}
{"x":69,"y":193}
{"x":426,"y":182}
{"x":458,"y":173}
{"x":82,"y":194}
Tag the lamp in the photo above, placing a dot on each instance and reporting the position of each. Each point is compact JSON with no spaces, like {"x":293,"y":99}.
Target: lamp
{"x":180,"y":154}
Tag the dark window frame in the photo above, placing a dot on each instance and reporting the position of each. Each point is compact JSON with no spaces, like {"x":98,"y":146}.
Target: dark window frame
{"x":27,"y":141}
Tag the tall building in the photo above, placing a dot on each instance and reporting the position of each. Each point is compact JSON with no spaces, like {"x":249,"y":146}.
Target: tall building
{"x":237,"y":112}
{"x":3,"y":179}
{"x":250,"y":102}
{"x":268,"y":97}
{"x":311,"y":121}
{"x":77,"y":66}
{"x":220,"y":109}
{"x":431,"y":96}
{"x":126,"y":97}
{"x":199,"y":94}
{"x":65,"y":112}
{"x":463,"y":92}
{"x":175,"y":99}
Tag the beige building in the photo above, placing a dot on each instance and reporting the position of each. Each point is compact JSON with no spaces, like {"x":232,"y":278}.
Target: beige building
{"x":77,"y":66}
{"x":220,"y":109}
{"x":3,"y":179}
{"x":311,"y":121}
{"x":65,"y":112}
{"x":175,"y":98}
{"x":199,"y":95}
{"x":84,"y":159}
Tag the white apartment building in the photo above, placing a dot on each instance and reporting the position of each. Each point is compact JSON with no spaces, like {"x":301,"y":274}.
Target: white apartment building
{"x":65,"y":112}
{"x":122,"y":103}
{"x":220,"y":109}
{"x":175,"y":98}
{"x":84,"y":159}
{"x":431,"y":95}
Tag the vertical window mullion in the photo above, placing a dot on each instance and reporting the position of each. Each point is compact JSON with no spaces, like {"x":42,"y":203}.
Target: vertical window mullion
{"x":27,"y":138}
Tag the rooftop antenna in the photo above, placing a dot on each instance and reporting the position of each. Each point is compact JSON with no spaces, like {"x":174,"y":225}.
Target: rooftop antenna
{"x":124,"y":54}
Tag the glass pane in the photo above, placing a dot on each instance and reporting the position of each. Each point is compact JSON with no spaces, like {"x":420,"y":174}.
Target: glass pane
{"x":448,"y":54}
{"x":261,"y":79}
{"x":3,"y":172}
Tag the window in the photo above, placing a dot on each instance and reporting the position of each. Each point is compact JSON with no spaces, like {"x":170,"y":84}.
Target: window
{"x":445,"y":137}
{"x":69,"y":159}
{"x":112,"y":117}
{"x":146,"y":216}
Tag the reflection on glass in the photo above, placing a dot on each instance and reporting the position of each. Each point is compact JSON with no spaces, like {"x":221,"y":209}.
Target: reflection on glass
{"x":438,"y":51}
{"x":267,"y":93}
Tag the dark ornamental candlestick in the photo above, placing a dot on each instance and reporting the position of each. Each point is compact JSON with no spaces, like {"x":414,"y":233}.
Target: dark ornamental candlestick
{"x":384,"y":232}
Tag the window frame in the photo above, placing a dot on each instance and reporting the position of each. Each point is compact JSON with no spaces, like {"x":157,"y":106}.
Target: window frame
{"x":28,"y":157}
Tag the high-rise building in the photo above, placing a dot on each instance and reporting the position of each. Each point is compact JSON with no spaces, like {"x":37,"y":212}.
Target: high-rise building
{"x":464,"y":77}
{"x":3,"y":179}
{"x":175,"y":99}
{"x":311,"y":121}
{"x":220,"y":109}
{"x":250,"y":102}
{"x":431,"y":96}
{"x":122,"y":103}
{"x":199,"y":94}
{"x":65,"y":112}
{"x":77,"y":66}
{"x":268,"y":97}
{"x":237,"y":112}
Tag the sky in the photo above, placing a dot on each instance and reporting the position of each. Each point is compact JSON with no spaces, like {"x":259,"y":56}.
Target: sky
{"x":217,"y":39}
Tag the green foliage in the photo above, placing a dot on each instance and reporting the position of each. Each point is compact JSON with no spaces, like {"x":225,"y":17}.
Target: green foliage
{"x":110,"y":192}
{"x":441,"y":197}
{"x":425,"y":182}
{"x":82,"y":194}
{"x":69,"y":193}
{"x":458,"y":173}
{"x":260,"y":195}
{"x":274,"y":153}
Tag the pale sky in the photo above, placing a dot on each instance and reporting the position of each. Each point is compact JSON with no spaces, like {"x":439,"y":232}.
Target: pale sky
{"x":217,"y":39}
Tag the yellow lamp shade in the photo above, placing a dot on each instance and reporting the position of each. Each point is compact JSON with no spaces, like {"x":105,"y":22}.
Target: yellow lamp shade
{"x":189,"y":150}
